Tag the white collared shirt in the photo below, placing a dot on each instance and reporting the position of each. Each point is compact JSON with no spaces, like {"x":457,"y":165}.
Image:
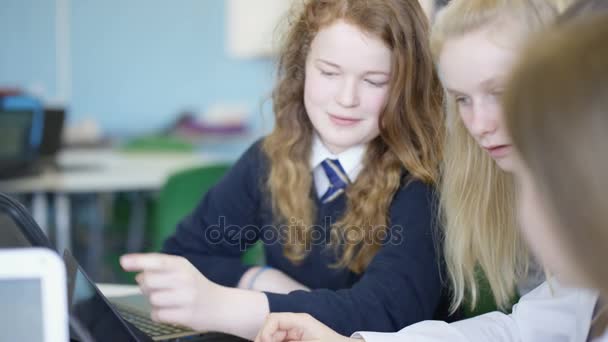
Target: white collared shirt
{"x":351,"y":161}
{"x":551,"y":312}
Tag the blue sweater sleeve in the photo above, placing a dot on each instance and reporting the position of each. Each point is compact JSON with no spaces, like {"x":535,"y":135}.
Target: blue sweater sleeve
{"x":402,"y":284}
{"x":214,"y":236}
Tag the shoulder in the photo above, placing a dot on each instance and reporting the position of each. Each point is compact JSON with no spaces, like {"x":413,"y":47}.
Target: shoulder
{"x":255,"y":152}
{"x":415,"y":204}
{"x":415,"y":190}
{"x":246,"y":175}
{"x":253,"y":161}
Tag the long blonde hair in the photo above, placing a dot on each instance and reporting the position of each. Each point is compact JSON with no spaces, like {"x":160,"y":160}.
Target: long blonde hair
{"x":409,"y":125}
{"x":476,"y":196}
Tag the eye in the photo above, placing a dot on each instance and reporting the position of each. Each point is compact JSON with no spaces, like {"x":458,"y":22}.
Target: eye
{"x":462,"y":100}
{"x":375,"y":84}
{"x":327,"y":73}
{"x":497,"y":92}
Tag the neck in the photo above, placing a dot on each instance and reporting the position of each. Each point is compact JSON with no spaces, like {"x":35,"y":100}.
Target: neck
{"x":335,"y":150}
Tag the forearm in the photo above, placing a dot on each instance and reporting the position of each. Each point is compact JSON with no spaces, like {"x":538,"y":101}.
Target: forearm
{"x":269,"y":280}
{"x":237,"y":312}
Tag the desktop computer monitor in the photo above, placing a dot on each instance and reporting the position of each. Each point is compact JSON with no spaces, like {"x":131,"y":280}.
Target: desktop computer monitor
{"x":21,"y":124}
{"x":15,"y":127}
{"x":52,"y":132}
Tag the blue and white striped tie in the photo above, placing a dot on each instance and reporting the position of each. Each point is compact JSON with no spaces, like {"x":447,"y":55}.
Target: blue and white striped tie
{"x":338,"y":180}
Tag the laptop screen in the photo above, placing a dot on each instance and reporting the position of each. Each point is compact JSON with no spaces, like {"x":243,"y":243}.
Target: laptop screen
{"x":21,"y":317}
{"x":14,"y":133}
{"x":92,"y":310}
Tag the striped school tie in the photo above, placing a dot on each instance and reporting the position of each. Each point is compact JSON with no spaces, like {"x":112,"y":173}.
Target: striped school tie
{"x":338,"y":180}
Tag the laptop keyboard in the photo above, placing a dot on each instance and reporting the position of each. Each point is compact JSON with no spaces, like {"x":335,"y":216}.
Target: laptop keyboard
{"x":144,"y":323}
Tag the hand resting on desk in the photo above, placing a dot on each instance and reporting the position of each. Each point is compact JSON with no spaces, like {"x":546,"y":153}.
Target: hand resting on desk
{"x":283,"y":327}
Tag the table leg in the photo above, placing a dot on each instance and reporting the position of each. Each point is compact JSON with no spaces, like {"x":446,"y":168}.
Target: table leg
{"x":96,"y":213}
{"x":40,"y":208}
{"x":137,"y":220}
{"x":62,"y":222}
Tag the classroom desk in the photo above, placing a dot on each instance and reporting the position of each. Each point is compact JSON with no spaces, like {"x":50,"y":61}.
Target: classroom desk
{"x":118,"y":290}
{"x":97,"y":172}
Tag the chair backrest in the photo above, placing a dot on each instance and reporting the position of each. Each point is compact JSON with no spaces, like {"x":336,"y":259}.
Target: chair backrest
{"x":18,"y":228}
{"x":485,"y":302}
{"x":178,"y":198}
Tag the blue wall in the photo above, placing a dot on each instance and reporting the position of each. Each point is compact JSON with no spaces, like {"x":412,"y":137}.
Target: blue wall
{"x":27,"y":45}
{"x":135,"y":63}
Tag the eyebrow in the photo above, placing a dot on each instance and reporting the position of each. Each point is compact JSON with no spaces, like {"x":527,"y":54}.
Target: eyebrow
{"x":487,"y":84}
{"x":454,"y":92}
{"x":493,"y":82}
{"x":371,"y":72}
{"x":328,"y":63}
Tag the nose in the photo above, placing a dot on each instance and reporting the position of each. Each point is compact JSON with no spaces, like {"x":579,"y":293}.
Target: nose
{"x":484,"y":120}
{"x":348,"y":95}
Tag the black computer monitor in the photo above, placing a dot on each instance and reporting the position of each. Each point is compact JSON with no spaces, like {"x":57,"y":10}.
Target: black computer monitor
{"x":54,"y":119}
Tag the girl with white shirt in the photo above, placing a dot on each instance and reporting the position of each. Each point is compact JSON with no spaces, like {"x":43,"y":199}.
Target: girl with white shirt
{"x":476,"y":44}
{"x":557,"y":114}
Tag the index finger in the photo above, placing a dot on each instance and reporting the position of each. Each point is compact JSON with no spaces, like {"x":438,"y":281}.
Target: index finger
{"x":148,"y":262}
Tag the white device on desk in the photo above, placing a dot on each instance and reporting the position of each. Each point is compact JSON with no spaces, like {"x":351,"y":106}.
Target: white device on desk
{"x":93,"y":317}
{"x":33,"y":300}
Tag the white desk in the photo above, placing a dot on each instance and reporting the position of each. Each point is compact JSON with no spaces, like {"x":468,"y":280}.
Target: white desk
{"x":98,"y":171}
{"x":118,"y":290}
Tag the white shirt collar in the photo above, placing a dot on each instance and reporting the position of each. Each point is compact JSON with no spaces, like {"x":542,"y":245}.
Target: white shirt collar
{"x":351,"y":161}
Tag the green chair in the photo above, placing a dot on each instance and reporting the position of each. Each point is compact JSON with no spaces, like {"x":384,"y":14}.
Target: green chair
{"x":157,"y":143}
{"x":179,"y":197}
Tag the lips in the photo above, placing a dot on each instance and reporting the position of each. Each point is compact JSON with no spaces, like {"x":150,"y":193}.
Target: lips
{"x":343,"y":120}
{"x":498,"y":151}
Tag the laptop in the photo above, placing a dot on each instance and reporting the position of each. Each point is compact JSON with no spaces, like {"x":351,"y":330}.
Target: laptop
{"x":32,"y":296}
{"x":103,"y":320}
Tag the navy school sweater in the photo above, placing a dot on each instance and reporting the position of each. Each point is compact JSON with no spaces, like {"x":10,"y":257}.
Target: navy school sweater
{"x":401,"y":286}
